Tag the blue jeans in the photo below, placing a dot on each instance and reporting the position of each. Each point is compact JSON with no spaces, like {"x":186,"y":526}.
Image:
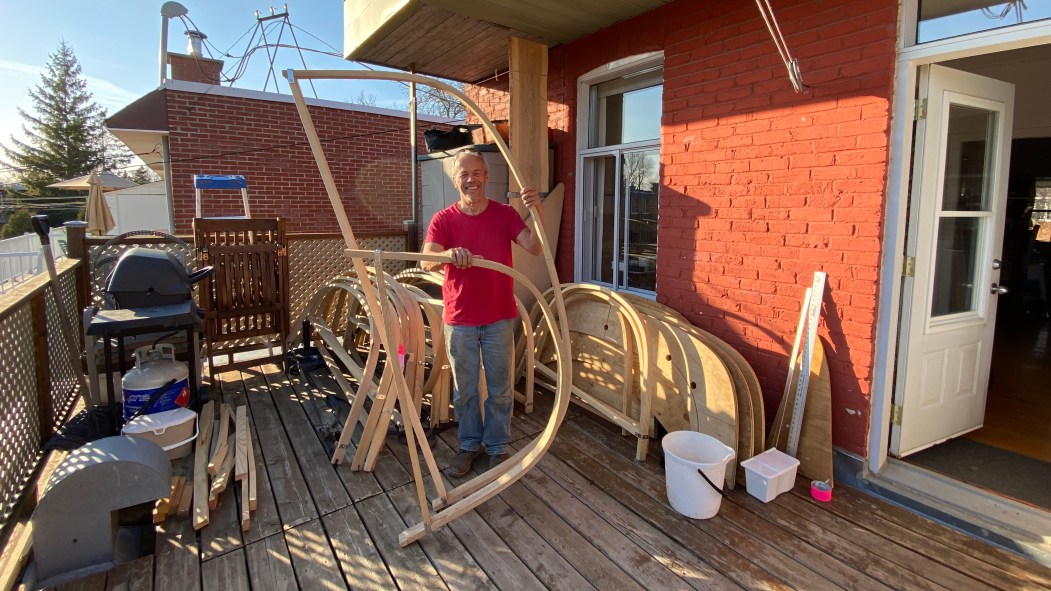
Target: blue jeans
{"x":491,"y":347}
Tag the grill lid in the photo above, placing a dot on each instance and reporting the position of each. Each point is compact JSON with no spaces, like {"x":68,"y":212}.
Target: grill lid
{"x":149,"y":271}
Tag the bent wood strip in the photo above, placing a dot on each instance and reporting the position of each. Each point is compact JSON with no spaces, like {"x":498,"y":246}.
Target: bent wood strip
{"x":525,"y":459}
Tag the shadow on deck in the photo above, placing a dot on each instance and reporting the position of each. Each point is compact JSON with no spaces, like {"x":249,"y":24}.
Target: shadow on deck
{"x":589,"y":517}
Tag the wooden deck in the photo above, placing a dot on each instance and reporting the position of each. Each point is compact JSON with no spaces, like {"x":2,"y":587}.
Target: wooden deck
{"x":589,"y":517}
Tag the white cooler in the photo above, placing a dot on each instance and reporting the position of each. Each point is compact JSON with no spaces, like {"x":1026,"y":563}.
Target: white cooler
{"x":174,"y":430}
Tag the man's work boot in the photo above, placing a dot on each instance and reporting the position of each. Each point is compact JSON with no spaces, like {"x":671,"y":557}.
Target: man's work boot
{"x":461,"y":464}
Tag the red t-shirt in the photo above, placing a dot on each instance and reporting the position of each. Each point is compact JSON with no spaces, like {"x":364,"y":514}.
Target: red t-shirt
{"x":476,"y":296}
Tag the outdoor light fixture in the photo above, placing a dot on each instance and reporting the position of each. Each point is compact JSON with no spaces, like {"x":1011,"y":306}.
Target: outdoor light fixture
{"x":168,"y":10}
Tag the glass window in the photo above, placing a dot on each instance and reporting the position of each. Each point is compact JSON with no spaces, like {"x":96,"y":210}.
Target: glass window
{"x":621,"y":181}
{"x":941,"y":19}
{"x":968,"y":160}
{"x":622,"y":109}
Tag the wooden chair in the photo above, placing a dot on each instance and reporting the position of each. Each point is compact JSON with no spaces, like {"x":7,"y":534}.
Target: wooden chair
{"x":245,"y":302}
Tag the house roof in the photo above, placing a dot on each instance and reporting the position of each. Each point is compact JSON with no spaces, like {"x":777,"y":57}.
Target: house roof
{"x":468,"y":41}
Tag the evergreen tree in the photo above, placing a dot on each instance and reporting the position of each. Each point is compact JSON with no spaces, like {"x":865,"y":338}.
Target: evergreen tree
{"x":66,"y":136}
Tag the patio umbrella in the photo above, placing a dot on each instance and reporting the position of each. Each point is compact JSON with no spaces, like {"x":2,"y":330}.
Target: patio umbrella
{"x":98,"y":215}
{"x":109,"y":182}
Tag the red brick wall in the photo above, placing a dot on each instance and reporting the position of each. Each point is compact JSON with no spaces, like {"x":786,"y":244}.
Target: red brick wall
{"x":265,"y":142}
{"x":193,"y":69}
{"x":761,"y":186}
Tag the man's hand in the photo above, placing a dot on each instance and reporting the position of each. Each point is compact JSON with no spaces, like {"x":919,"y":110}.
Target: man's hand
{"x":462,"y":258}
{"x":530,"y":198}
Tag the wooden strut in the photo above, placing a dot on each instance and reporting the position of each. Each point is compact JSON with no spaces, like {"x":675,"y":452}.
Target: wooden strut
{"x":491,"y":483}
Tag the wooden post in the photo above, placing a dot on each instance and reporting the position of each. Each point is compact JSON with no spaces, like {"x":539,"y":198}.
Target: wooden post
{"x":528,"y":119}
{"x":45,"y":407}
{"x":77,"y":248}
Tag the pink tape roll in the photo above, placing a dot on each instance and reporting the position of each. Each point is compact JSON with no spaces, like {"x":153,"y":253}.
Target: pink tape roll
{"x":821,"y":490}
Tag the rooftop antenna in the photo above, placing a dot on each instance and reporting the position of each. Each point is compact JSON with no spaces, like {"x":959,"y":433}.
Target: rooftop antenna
{"x":285,"y":21}
{"x":168,"y":11}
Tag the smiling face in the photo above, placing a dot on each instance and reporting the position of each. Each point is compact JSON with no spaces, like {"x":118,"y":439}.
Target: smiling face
{"x":471,"y":176}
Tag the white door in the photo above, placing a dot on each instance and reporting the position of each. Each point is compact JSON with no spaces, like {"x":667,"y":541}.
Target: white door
{"x":956,"y":220}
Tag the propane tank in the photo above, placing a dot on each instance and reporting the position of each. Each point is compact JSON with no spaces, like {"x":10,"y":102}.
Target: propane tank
{"x":155,"y":367}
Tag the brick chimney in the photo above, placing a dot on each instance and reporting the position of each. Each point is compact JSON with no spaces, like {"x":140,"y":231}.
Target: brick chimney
{"x":195,"y":68}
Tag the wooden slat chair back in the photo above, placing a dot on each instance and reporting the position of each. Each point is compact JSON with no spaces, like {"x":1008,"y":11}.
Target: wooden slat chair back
{"x":245,"y":301}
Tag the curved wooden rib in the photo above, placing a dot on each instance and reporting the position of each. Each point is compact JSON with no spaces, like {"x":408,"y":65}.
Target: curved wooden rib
{"x":471,"y":494}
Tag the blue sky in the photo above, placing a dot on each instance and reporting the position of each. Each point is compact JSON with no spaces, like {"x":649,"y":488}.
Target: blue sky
{"x":117,"y":44}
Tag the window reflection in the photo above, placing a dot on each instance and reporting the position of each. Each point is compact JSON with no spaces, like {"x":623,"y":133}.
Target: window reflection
{"x":955,"y":274}
{"x":640,"y":181}
{"x":941,"y":19}
{"x":622,"y":110}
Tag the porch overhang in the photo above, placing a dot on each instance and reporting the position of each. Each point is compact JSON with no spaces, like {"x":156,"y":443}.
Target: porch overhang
{"x":142,"y":126}
{"x":468,"y":41}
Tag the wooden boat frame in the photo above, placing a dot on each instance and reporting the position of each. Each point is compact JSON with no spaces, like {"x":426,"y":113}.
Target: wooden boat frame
{"x":453,"y":503}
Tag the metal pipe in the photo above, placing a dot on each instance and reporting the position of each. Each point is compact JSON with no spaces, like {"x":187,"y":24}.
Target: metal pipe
{"x":169,"y":193}
{"x":164,"y":50}
{"x":413,"y":146}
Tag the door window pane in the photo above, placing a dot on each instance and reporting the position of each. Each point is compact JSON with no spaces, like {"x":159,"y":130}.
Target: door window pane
{"x":640,"y":179}
{"x":955,"y":269}
{"x":601,"y":208}
{"x":941,"y":19}
{"x":968,"y":159}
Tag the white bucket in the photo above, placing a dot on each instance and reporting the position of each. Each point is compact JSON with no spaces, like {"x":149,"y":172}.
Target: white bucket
{"x":686,"y":452}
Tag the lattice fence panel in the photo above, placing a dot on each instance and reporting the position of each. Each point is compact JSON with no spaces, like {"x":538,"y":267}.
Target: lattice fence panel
{"x":63,"y":379}
{"x":313,"y":261}
{"x":19,"y":411}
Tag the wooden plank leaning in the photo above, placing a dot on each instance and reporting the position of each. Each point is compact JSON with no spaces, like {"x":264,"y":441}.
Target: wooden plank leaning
{"x":485,"y":486}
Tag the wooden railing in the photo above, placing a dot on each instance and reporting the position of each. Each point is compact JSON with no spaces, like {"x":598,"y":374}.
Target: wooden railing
{"x":38,"y":385}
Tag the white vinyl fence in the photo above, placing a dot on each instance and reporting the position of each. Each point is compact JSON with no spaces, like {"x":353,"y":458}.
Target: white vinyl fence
{"x":22,"y":257}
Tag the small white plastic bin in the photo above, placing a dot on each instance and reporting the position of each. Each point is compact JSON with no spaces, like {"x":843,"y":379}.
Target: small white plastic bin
{"x":770,"y":474}
{"x":174,"y":430}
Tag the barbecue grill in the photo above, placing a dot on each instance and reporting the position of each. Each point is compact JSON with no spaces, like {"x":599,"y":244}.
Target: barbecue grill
{"x":147,"y":277}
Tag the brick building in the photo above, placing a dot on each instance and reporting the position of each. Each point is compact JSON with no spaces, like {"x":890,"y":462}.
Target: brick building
{"x":210,"y":129}
{"x":907,"y":169}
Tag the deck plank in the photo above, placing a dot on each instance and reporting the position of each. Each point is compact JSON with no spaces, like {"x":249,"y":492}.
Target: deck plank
{"x":325,"y":486}
{"x":409,"y":566}
{"x":738,"y":553}
{"x":269,"y":566}
{"x":621,"y":546}
{"x":492,"y":553}
{"x":987,"y":562}
{"x":357,"y":554}
{"x":291,"y":494}
{"x":649,"y":476}
{"x":176,"y":563}
{"x":597,"y":568}
{"x":839,"y":544}
{"x":314,"y":563}
{"x":93,"y":582}
{"x":225,"y":573}
{"x":136,"y":575}
{"x":453,"y":562}
{"x":904,"y":557}
{"x":589,"y":516}
{"x":265,"y":519}
{"x":546,"y":563}
{"x":360,"y":484}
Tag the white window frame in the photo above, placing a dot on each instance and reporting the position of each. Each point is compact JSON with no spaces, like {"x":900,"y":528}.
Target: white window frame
{"x":909,"y":59}
{"x":614,"y":69}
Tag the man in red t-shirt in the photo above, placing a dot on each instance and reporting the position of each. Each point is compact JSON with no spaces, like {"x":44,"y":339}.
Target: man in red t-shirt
{"x":479,"y":305}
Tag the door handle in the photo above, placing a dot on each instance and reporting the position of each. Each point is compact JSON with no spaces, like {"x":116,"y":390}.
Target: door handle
{"x":997,"y":289}
{"x":997,"y":264}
